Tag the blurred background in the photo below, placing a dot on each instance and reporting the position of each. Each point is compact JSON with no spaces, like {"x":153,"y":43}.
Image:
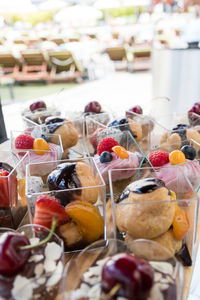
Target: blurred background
{"x":47,"y":46}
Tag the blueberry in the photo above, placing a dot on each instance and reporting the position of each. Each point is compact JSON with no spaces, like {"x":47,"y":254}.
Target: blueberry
{"x":122,"y":124}
{"x":45,"y":138}
{"x":114,"y":123}
{"x":189,"y":151}
{"x":105,"y":157}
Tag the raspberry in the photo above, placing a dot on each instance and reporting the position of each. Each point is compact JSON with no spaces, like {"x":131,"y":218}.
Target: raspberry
{"x":159,"y":158}
{"x":24,"y":141}
{"x":106,"y":144}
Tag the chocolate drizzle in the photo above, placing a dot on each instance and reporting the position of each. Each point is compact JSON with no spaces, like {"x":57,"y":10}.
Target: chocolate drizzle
{"x":142,"y":186}
{"x":53,"y":123}
{"x":64,"y":177}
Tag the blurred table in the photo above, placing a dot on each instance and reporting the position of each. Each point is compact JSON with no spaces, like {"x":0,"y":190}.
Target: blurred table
{"x":176,"y":74}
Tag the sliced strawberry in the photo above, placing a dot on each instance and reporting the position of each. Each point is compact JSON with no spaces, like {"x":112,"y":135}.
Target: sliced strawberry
{"x":46,"y":208}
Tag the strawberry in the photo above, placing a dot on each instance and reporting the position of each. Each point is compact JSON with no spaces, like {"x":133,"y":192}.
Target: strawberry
{"x":8,"y":189}
{"x":159,"y":158}
{"x":24,"y":141}
{"x":46,"y":208}
{"x":106,"y":144}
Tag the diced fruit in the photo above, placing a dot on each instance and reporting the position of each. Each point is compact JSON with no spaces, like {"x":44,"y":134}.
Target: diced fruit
{"x":38,"y":105}
{"x":46,"y":208}
{"x":189,"y":151}
{"x":40,"y":146}
{"x":105,"y":157}
{"x":21,"y":190}
{"x":24,"y":141}
{"x":93,"y":106}
{"x":106,"y":144}
{"x":136,"y":109}
{"x":8,"y":189}
{"x":180,"y":223}
{"x":158,"y":158}
{"x":177,"y":157}
{"x":88,"y":218}
{"x":133,"y":275}
{"x":11,"y":259}
{"x":120,"y":151}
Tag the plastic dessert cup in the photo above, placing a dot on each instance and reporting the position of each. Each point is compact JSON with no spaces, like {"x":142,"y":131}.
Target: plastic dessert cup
{"x":138,"y":125}
{"x":79,"y":188}
{"x":55,"y":151}
{"x":149,"y":209}
{"x":41,"y":275}
{"x":13,"y":206}
{"x":82,"y":275}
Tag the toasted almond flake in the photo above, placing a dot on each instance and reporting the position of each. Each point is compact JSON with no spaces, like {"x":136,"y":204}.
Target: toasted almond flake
{"x":39,"y":268}
{"x":49,"y":266}
{"x":34,"y":241}
{"x":22,"y":288}
{"x":163,"y":267}
{"x":163,"y":286}
{"x":36,"y":258}
{"x":157,"y":276}
{"x":53,"y":251}
{"x":41,"y":280}
{"x":101,"y":262}
{"x":155,"y":293}
{"x":56,"y":276}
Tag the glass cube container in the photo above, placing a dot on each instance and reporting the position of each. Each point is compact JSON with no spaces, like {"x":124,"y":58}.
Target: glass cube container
{"x":82,"y":276}
{"x":79,"y":187}
{"x":13,"y":205}
{"x":150,"y":208}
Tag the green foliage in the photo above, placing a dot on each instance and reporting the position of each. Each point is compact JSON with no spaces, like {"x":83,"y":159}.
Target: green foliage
{"x":33,"y":18}
{"x":122,"y":11}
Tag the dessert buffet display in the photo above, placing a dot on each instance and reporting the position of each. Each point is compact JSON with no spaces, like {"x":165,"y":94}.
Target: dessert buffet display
{"x":121,"y":184}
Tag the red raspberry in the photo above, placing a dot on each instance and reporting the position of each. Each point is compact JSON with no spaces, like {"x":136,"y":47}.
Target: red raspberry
{"x":106,"y":144}
{"x":159,"y":158}
{"x":24,"y":141}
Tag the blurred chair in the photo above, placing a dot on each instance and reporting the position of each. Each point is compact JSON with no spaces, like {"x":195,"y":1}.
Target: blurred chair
{"x":58,"y":41}
{"x":64,"y":67}
{"x":34,"y":66}
{"x":119,"y":56}
{"x":9,"y":65}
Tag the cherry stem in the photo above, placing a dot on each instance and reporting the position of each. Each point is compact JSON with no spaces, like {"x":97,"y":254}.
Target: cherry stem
{"x":112,"y":292}
{"x":53,"y":227}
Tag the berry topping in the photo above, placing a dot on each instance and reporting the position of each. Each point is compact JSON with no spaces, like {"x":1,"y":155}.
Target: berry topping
{"x":11,"y":258}
{"x":46,"y":208}
{"x":105,"y":157}
{"x":181,"y":130}
{"x":38,"y":105}
{"x":136,"y":109}
{"x":122,"y":124}
{"x":158,"y":158}
{"x":93,"y":107}
{"x":133,"y":276}
{"x":40,"y":146}
{"x":24,"y":141}
{"x":93,"y":138}
{"x":189,"y":151}
{"x":180,"y":223}
{"x":177,"y":157}
{"x":120,"y":151}
{"x":193,"y":114}
{"x":106,"y":144}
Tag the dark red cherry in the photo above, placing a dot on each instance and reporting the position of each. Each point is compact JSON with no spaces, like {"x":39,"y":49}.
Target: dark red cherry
{"x":133,"y":274}
{"x":136,"y":109}
{"x":192,"y":114}
{"x":12,"y":259}
{"x":38,"y":105}
{"x":94,"y":107}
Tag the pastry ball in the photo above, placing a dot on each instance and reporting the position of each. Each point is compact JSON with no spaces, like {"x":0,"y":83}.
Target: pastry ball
{"x":65,"y":128}
{"x":137,"y":212}
{"x":73,"y":175}
{"x":136,"y":130}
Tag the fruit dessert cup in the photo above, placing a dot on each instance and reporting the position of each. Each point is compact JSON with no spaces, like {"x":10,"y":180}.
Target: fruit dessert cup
{"x":178,"y":163}
{"x":116,"y":151}
{"x":75,"y":190}
{"x":148,"y":209}
{"x":138,"y":125}
{"x":37,"y":113}
{"x":34,"y":271}
{"x":41,"y":147}
{"x":111,"y":269}
{"x":13,"y":206}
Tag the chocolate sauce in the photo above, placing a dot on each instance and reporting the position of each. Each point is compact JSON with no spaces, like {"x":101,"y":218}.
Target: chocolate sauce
{"x":142,"y":186}
{"x":64,"y":177}
{"x":53,"y":123}
{"x":184,"y":256}
{"x":181,"y":129}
